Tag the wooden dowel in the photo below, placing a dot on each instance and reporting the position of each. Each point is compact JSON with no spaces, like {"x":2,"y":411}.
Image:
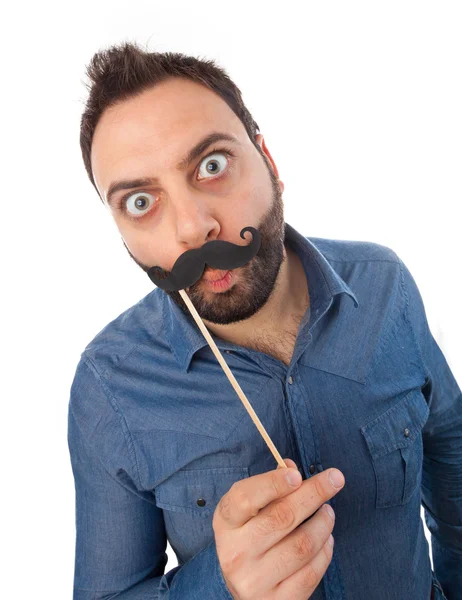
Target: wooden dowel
{"x":232,"y":379}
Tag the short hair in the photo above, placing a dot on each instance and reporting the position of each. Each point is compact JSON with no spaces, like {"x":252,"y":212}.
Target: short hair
{"x":125,"y":70}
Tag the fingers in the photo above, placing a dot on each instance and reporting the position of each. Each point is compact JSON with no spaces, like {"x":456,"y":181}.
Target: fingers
{"x":298,"y":549}
{"x":272,"y":537}
{"x":289,"y":463}
{"x":303,"y":582}
{"x":248,"y":496}
{"x":276,"y":521}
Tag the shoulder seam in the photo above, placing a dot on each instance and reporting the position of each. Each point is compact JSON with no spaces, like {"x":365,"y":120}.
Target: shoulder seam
{"x":125,"y":429}
{"x":361,"y":259}
{"x":71,"y":411}
{"x":406,"y":315}
{"x":350,"y":244}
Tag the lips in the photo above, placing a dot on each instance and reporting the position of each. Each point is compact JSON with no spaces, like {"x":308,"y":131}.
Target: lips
{"x":214,"y":275}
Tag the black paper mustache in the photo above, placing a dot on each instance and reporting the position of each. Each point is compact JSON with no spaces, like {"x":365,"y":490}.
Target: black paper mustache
{"x":218,"y":254}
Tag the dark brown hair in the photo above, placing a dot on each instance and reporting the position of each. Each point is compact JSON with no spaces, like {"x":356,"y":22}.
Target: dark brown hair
{"x":126,"y":70}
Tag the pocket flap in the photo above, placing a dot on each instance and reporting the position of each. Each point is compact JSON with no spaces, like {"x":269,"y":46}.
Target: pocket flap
{"x":183,"y":489}
{"x":398,"y":426}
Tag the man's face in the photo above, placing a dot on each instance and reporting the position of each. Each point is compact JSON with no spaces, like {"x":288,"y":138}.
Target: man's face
{"x":213,"y":197}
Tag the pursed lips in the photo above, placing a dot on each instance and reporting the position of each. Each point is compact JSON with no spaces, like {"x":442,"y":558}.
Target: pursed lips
{"x":214,"y":275}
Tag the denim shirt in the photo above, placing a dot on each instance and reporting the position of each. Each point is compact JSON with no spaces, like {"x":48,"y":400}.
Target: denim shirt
{"x":157,"y":435}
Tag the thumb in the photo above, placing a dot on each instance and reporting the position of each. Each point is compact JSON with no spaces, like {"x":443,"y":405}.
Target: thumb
{"x":289,"y":463}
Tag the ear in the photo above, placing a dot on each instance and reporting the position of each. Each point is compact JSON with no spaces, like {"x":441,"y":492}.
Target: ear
{"x":264,"y":147}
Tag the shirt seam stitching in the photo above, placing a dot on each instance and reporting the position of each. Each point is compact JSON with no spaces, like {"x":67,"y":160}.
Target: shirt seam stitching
{"x":406,"y":316}
{"x":126,"y":434}
{"x":361,"y":260}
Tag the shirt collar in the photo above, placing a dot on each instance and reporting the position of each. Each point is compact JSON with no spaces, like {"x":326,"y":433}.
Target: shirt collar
{"x":184,"y":336}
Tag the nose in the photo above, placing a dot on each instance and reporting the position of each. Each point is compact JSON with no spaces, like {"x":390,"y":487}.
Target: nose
{"x":195,"y":224}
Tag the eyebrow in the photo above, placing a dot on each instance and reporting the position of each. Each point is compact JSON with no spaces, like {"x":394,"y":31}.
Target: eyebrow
{"x":203,"y":144}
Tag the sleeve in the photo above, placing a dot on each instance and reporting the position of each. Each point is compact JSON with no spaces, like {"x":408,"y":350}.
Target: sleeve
{"x":120,"y":544}
{"x":441,"y":489}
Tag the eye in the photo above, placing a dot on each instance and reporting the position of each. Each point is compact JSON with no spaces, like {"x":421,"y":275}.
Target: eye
{"x":213,"y":165}
{"x":138,"y":204}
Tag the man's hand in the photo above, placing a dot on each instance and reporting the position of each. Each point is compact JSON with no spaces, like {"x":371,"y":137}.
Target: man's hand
{"x":267,"y":547}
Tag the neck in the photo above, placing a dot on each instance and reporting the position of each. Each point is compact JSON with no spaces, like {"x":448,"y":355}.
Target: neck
{"x":288,"y":301}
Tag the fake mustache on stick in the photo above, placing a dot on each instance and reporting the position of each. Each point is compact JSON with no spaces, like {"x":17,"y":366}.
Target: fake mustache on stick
{"x":188,"y":269}
{"x":218,"y":254}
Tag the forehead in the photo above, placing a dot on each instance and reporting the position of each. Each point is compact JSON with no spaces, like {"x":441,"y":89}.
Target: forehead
{"x":151,"y":132}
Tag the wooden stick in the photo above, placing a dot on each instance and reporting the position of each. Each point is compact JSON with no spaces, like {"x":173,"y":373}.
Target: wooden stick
{"x":232,"y":380}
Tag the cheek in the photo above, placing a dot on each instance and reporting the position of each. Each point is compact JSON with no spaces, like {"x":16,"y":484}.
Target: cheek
{"x":259,"y":191}
{"x":142,"y":245}
{"x":151,"y":250}
{"x":259,"y":198}
{"x":246,"y":206}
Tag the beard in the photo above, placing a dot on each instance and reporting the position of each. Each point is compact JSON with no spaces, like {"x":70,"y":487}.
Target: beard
{"x":256,"y":280}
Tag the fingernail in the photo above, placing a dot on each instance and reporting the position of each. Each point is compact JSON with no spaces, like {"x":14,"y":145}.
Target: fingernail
{"x":331,"y":541}
{"x":336,"y":478}
{"x":328,"y":508}
{"x":293,"y":477}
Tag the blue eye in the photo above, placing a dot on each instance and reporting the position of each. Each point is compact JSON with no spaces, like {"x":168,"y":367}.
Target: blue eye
{"x":138,"y":203}
{"x":215,"y":164}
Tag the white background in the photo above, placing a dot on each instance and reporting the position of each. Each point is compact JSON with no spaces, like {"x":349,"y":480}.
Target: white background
{"x":360,"y":107}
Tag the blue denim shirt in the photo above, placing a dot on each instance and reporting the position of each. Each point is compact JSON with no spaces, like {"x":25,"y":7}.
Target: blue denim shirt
{"x":155,"y":425}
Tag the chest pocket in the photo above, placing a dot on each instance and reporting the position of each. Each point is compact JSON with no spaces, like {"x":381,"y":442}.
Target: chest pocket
{"x":394,"y":441}
{"x":189,"y":499}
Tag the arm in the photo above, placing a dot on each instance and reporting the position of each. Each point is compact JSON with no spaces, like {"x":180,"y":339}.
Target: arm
{"x":120,"y":532}
{"x":441,"y":488}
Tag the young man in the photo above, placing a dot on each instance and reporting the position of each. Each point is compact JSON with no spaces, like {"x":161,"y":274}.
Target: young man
{"x":327,"y":338}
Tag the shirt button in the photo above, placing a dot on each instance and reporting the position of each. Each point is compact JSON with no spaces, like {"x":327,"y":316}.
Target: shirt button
{"x":201,"y":502}
{"x":290,"y":380}
{"x":406,"y":432}
{"x":312,"y":469}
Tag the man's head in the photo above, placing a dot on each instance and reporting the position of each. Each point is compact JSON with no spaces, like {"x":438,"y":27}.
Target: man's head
{"x":147,"y":117}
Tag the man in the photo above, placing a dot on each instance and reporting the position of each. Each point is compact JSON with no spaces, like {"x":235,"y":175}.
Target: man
{"x":328,"y":339}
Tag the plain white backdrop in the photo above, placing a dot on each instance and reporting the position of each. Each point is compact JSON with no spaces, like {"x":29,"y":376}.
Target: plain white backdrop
{"x":360,"y":106}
